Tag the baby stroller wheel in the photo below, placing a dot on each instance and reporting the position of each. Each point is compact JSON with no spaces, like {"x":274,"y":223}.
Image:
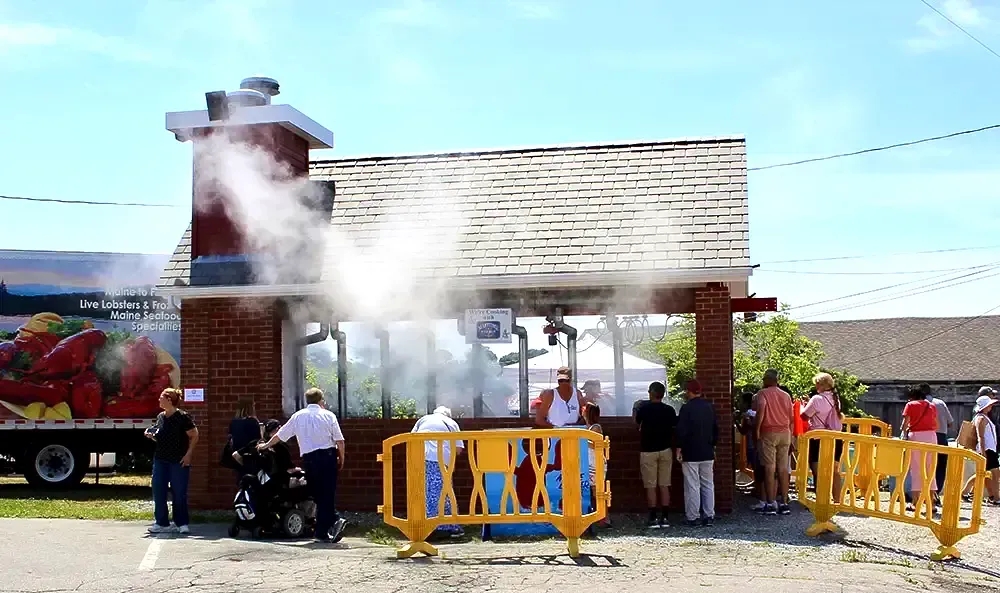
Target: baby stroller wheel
{"x":234,"y":530}
{"x":294,"y":523}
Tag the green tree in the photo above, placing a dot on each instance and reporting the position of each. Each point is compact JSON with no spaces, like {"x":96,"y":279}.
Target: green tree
{"x":771,"y":342}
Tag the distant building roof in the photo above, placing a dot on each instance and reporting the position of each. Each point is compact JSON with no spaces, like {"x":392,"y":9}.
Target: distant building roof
{"x":638,"y":207}
{"x":904,"y":349}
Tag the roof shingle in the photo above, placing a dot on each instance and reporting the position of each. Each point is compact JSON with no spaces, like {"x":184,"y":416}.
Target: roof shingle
{"x":625,"y":207}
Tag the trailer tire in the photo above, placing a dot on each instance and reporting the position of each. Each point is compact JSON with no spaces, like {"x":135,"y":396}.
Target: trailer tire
{"x":55,"y":465}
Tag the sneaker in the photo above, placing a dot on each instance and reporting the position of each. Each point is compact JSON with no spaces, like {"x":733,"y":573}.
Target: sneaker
{"x":708,"y":521}
{"x":771,"y":509}
{"x":155,"y":529}
{"x":691,"y":523}
{"x":653,"y":523}
{"x":456,"y":533}
{"x":337,"y":531}
{"x":184,"y":530}
{"x":760,"y":507}
{"x":784,"y":509}
{"x":664,"y":523}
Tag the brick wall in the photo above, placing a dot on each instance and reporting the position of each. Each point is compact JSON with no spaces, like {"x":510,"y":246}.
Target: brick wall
{"x":714,"y":369}
{"x":233,"y":349}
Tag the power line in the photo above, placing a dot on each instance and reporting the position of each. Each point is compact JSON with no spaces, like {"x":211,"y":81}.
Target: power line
{"x":89,"y":202}
{"x":960,"y":28}
{"x":905,"y":294}
{"x":978,"y":270}
{"x":876,"y":149}
{"x":893,"y":273}
{"x":848,"y":257}
{"x":921,"y":341}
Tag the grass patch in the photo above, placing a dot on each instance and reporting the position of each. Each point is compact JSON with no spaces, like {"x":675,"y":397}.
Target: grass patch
{"x":382,"y":535}
{"x":860,"y":556}
{"x":763,"y":544}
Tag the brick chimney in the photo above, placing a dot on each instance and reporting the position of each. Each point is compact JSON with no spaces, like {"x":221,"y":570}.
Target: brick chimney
{"x":219,"y":255}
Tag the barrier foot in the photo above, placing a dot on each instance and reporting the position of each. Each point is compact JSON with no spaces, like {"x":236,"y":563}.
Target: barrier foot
{"x":413,"y":548}
{"x":573,"y":543}
{"x":946,"y":552}
{"x":821,"y":527}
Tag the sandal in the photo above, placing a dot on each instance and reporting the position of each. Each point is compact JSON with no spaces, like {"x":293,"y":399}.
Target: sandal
{"x":967,"y":497}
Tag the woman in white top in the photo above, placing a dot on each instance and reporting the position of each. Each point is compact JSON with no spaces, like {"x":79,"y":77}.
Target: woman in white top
{"x":986,"y":445}
{"x":439,"y":421}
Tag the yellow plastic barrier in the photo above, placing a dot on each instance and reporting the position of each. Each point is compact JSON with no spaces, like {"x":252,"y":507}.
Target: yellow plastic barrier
{"x":865,"y":451}
{"x":494,"y":452}
{"x":891,"y":459}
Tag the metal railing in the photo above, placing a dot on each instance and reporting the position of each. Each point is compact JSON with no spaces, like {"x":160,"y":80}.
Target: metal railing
{"x":495,"y":452}
{"x":891,"y":458}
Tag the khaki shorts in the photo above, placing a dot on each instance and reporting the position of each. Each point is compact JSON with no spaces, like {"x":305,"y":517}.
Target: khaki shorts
{"x":774,"y":446}
{"x":656,"y":468}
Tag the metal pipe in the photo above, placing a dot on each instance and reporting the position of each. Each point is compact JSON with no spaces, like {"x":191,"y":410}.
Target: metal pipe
{"x":341,"y":339}
{"x":431,"y":371}
{"x":522,"y":368}
{"x":571,"y":352}
{"x":383,"y":349}
{"x":299,"y":360}
{"x":476,"y":355}
{"x":618,"y":349}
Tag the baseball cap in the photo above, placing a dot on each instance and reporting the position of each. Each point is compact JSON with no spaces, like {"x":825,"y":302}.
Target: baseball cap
{"x":694,"y":386}
{"x":564,"y":374}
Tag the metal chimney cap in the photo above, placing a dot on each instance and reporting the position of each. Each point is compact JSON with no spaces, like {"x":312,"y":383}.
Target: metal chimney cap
{"x":247,"y":98}
{"x":268,"y":86}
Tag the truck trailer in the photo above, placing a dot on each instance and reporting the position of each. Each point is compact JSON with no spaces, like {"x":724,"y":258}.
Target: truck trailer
{"x":86,"y":348}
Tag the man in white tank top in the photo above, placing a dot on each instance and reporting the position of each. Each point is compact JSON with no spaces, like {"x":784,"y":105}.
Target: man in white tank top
{"x":560,"y":406}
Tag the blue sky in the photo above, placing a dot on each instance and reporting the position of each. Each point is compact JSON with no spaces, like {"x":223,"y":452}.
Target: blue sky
{"x":85,"y":86}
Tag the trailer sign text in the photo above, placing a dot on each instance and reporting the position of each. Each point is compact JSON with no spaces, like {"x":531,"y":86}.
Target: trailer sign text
{"x":488,"y":326}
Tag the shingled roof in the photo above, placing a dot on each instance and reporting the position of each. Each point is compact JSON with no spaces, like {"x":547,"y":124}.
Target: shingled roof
{"x":678,"y":205}
{"x":901,"y":349}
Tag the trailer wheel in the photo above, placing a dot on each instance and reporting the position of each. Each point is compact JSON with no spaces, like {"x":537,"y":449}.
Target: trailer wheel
{"x":54,"y":465}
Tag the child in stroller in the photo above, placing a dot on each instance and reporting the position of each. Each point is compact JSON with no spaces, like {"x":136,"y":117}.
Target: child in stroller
{"x":272,"y":496}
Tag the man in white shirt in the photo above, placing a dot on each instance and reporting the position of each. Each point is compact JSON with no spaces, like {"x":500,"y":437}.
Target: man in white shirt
{"x":438,"y":421}
{"x":321,"y":444}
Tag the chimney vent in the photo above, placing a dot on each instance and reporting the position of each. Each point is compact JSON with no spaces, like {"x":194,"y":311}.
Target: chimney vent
{"x":246,"y":98}
{"x":268,"y":86}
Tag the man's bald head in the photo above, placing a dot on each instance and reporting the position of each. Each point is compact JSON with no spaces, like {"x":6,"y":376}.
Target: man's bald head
{"x":770,"y":378}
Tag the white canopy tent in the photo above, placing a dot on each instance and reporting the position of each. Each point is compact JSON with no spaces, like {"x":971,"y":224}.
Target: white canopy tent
{"x":594,"y":360}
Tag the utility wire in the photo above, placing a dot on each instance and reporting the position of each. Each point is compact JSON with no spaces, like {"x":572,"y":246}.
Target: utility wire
{"x":876,"y":149}
{"x":848,"y":257}
{"x":922,"y":340}
{"x":960,"y":28}
{"x":89,"y":202}
{"x":978,"y":270}
{"x":903,"y":295}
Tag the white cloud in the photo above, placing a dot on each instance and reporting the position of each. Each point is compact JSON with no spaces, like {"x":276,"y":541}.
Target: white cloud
{"x":27,"y":36}
{"x":535,"y":11}
{"x":937,"y":33}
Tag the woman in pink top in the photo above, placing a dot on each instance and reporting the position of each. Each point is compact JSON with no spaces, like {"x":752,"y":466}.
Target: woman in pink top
{"x":823,"y":413}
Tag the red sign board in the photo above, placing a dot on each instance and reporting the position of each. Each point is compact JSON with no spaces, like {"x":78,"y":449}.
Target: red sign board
{"x":754,"y":305}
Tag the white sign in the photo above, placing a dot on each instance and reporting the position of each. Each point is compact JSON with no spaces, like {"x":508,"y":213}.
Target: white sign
{"x":194,"y":395}
{"x":488,"y":326}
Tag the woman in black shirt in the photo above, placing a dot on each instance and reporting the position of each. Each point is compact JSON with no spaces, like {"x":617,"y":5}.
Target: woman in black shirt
{"x":244,"y":430}
{"x":176,"y":436}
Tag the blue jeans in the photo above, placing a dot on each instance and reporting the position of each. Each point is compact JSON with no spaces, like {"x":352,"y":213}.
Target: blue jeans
{"x":170,"y":477}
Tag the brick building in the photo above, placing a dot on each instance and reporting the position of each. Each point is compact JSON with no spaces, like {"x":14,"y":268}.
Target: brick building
{"x":646,"y":227}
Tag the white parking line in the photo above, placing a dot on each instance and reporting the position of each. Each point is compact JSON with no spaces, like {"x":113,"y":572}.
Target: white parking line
{"x":152,"y":553}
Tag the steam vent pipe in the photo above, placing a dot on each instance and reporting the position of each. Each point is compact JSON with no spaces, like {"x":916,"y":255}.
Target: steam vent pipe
{"x":300,"y":355}
{"x":383,"y":350}
{"x":618,"y":349}
{"x":522,"y":368}
{"x":341,"y":339}
{"x":570,"y":332}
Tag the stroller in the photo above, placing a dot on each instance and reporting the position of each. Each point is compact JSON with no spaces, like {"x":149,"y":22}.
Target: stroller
{"x":271,"y":500}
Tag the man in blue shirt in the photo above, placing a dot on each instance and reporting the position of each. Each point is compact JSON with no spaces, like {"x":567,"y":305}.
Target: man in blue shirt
{"x":697,"y":433}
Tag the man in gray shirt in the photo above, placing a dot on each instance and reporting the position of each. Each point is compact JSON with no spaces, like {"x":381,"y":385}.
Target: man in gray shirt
{"x":945,"y":420}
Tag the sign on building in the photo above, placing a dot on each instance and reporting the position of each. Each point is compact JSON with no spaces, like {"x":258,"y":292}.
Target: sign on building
{"x":488,"y":326}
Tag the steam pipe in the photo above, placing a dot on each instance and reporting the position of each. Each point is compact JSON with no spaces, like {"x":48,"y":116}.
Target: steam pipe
{"x":522,"y":368}
{"x":300,"y":359}
{"x":557,"y":322}
{"x":431,"y":371}
{"x":617,"y":347}
{"x":383,"y":349}
{"x":341,"y":339}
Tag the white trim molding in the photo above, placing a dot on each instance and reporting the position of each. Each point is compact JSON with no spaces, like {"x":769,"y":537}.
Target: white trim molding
{"x":182,"y":123}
